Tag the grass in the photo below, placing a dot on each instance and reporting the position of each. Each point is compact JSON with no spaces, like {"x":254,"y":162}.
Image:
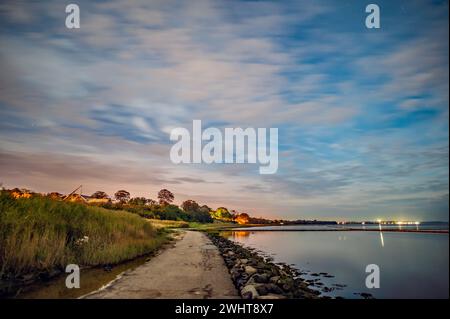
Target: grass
{"x":41,"y":234}
{"x":159,"y":224}
{"x":217,"y":225}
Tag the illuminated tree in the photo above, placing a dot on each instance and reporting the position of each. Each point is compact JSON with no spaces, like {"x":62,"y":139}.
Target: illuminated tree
{"x":222,"y":213}
{"x":242,"y":218}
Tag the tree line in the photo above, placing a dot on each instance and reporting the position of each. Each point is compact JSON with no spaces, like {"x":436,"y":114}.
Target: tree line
{"x":162,"y":208}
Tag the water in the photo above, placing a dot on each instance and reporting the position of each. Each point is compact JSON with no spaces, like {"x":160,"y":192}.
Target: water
{"x":420,"y":227}
{"x":412,"y":264}
{"x":91,"y":280}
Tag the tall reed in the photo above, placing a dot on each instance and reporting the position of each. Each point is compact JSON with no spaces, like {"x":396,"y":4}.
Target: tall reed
{"x":40,"y":234}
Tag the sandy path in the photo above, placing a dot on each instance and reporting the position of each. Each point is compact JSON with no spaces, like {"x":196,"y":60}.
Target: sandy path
{"x":192,"y":269}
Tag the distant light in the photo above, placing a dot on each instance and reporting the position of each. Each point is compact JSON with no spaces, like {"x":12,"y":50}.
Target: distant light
{"x":417,"y":223}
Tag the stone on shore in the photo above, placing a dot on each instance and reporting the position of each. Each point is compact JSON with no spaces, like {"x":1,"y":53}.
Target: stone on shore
{"x":250,"y":270}
{"x":249,"y":292}
{"x":258,"y":277}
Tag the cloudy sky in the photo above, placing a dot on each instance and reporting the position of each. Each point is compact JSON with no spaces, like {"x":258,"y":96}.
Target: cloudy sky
{"x":362,"y":114}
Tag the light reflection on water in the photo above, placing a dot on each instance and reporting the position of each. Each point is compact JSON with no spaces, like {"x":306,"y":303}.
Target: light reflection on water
{"x":412,"y":265}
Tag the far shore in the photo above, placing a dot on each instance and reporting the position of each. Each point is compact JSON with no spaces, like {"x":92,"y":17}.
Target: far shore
{"x":258,"y":228}
{"x":294,"y":227}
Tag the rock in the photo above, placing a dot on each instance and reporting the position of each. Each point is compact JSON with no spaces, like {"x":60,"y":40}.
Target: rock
{"x":340,"y":285}
{"x":240,"y":282}
{"x":319,"y":284}
{"x":250,"y":270}
{"x":289,"y":295}
{"x":255,"y":275}
{"x":299,"y":294}
{"x":272,"y":296}
{"x":274,"y":270}
{"x":261,"y":265}
{"x":259,"y":278}
{"x":286,"y":283}
{"x":244,"y":276}
{"x":274,"y":289}
{"x":253,"y":262}
{"x":249,"y":292}
{"x":327,"y":289}
{"x":274,"y":279}
{"x":262,"y":289}
{"x":234,"y":274}
{"x":302,"y":285}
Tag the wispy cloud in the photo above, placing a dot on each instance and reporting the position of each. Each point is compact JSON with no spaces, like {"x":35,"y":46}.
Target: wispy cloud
{"x":362,"y":114}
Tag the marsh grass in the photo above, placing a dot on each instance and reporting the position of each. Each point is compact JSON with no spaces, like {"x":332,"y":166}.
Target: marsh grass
{"x":158,"y":223}
{"x":40,"y":234}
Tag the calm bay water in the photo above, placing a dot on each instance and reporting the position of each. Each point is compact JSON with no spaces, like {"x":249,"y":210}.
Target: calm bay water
{"x":412,"y":264}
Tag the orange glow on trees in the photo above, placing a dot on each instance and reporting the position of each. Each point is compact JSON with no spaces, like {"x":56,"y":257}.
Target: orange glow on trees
{"x":242,"y":219}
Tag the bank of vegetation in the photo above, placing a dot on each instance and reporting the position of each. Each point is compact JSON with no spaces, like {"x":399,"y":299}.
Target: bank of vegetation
{"x":39,"y":236}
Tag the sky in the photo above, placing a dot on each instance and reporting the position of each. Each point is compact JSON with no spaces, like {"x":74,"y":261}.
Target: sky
{"x":362,"y":114}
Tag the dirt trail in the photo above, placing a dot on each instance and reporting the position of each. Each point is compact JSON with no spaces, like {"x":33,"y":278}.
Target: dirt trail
{"x":192,"y":269}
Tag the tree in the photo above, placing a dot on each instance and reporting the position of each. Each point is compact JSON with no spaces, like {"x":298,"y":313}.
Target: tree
{"x":242,"y":218}
{"x":205,"y":209}
{"x":190,"y":206}
{"x":172,"y":212}
{"x":55,"y":195}
{"x":21,"y":193}
{"x":222,"y":213}
{"x":195,"y":212}
{"x":122,"y":196}
{"x":100,"y":195}
{"x":202,"y":216}
{"x":139,"y":201}
{"x":151,"y":202}
{"x":165,"y":197}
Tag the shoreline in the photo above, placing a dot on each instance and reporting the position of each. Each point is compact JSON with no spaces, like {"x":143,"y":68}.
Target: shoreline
{"x":256,"y":277}
{"x":258,"y":228}
{"x":48,"y":285}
